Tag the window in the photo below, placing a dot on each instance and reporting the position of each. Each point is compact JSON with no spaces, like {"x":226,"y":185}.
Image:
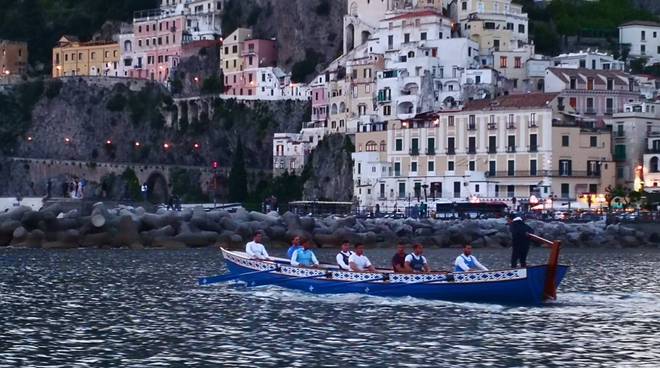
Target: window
{"x":573,"y":83}
{"x":521,"y":28}
{"x":643,"y":36}
{"x":472,"y":165}
{"x":397,"y":169}
{"x":532,"y":167}
{"x":643,"y":49}
{"x":565,"y":141}
{"x":390,"y":42}
{"x":371,"y":146}
{"x":450,"y":165}
{"x":503,"y":61}
{"x":590,"y":106}
{"x":406,"y":37}
{"x":402,"y":190}
{"x":472,"y":145}
{"x":472,"y":125}
{"x":450,"y":121}
{"x":492,"y":144}
{"x":387,"y":110}
{"x":609,"y":106}
{"x":457,"y":189}
{"x":511,"y":168}
{"x":511,"y":143}
{"x":398,"y":144}
{"x":431,"y":166}
{"x":653,"y":164}
{"x":430,"y":146}
{"x":413,"y":167}
{"x":451,"y":149}
{"x":565,"y":192}
{"x":518,"y":62}
{"x":492,"y":166}
{"x":565,"y":167}
{"x":422,"y":36}
{"x":533,"y":143}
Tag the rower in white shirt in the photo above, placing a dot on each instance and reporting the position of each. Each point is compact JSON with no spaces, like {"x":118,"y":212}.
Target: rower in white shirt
{"x":344,"y":255}
{"x":358,"y":261}
{"x":467,"y":262}
{"x":255,"y":249}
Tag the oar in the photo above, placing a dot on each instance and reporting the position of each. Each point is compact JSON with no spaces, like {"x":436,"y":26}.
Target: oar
{"x":222,"y":278}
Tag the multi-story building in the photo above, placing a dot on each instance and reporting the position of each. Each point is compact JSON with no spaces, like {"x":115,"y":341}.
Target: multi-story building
{"x":499,"y":149}
{"x":589,"y":59}
{"x":651,"y":165}
{"x":72,"y":57}
{"x":203,"y":17}
{"x":319,"y":96}
{"x":631,"y":129}
{"x":642,"y":39}
{"x":291,"y":150}
{"x":592,"y":94}
{"x":13,"y":59}
{"x":247,"y":64}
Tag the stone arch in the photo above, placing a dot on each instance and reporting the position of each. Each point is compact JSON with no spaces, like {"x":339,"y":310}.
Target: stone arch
{"x":350,"y":37}
{"x":365,"y":36}
{"x":157,"y":191}
{"x":333,"y":109}
{"x":405,"y":107}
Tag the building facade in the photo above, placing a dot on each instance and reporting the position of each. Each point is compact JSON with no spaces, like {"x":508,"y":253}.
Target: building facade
{"x":490,"y":150}
{"x":651,"y":163}
{"x":13,"y":59}
{"x":642,"y":39}
{"x":588,"y":59}
{"x":73,"y":58}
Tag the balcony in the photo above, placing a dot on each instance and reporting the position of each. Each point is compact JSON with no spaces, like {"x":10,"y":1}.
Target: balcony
{"x":472,"y":126}
{"x":451,"y":151}
{"x":561,"y":107}
{"x":533,"y":149}
{"x":590,"y":111}
{"x":653,"y":150}
{"x":492,"y":126}
{"x":472,"y":151}
{"x":511,"y":149}
{"x":414,"y":151}
{"x":511,"y":125}
{"x":522,"y":174}
{"x":574,"y":174}
{"x":430,"y":151}
{"x":492,"y":150}
{"x":609,"y":111}
{"x":532,"y":124}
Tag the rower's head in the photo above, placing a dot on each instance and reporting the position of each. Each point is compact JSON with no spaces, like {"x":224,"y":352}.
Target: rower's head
{"x":359,"y":249}
{"x":296,"y":240}
{"x":257,"y":237}
{"x":345,"y":246}
{"x":306,"y":244}
{"x":401,"y":248}
{"x":467,"y":249}
{"x":418,"y":249}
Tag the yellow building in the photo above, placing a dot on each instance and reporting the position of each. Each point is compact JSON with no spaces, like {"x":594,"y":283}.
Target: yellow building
{"x":13,"y":58}
{"x":72,"y":57}
{"x":231,"y":57}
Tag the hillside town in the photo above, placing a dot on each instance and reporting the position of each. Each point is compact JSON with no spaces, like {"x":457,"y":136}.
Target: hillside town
{"x":444,"y":101}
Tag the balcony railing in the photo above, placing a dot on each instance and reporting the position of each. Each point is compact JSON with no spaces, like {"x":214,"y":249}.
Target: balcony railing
{"x":653,"y":150}
{"x":511,"y":149}
{"x":430,"y":151}
{"x":533,"y":149}
{"x":511,"y":125}
{"x":472,"y":151}
{"x":609,"y":111}
{"x":492,"y":126}
{"x":532,"y":124}
{"x":492,"y":150}
{"x":590,"y":111}
{"x":544,"y":173}
{"x":451,"y":151}
{"x":414,"y":151}
{"x":472,"y":126}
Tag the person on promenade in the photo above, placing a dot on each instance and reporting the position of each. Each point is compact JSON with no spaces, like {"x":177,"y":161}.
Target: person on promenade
{"x":343,"y":256}
{"x":304,"y":257}
{"x":467,"y":262}
{"x":358,"y":261}
{"x":519,"y":240}
{"x":399,"y":258}
{"x":295,"y":245}
{"x":255,"y":249}
{"x":415,"y":261}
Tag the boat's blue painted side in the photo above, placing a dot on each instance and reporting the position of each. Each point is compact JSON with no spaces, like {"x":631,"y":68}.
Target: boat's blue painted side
{"x":520,"y":290}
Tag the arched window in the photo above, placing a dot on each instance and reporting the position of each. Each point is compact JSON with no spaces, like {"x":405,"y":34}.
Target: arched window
{"x":128,"y":47}
{"x":342,"y":107}
{"x":654,"y":164}
{"x":371,"y":146}
{"x":333,"y":109}
{"x":383,"y":146}
{"x":411,"y":54}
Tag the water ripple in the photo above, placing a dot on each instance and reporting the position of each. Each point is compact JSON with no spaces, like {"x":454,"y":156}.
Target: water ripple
{"x":98,"y":308}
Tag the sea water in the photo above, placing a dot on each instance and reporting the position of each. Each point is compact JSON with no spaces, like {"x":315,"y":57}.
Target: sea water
{"x":123,"y":308}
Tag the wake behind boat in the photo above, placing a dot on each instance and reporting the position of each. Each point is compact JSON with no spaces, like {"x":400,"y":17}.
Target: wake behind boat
{"x":526,"y":286}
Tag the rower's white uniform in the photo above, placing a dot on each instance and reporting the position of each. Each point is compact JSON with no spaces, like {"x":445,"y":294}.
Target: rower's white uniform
{"x":361,"y":262}
{"x":343,"y":260}
{"x":256,"y":250}
{"x":466,"y":263}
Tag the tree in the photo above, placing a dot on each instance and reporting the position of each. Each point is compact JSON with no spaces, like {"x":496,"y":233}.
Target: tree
{"x":238,"y":176}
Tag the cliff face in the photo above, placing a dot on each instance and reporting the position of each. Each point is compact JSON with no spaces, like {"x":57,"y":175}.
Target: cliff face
{"x":305,"y":29}
{"x":329,"y":172}
{"x":97,"y":123}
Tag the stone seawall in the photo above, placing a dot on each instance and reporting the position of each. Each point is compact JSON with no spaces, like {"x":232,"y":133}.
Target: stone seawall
{"x":51,"y":228}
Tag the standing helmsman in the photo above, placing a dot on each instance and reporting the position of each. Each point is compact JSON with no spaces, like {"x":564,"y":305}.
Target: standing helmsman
{"x":520,"y":241}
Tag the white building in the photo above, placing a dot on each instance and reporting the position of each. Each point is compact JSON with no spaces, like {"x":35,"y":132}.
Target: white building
{"x":642,"y":38}
{"x":589,"y":59}
{"x":272,"y":83}
{"x":651,"y":163}
{"x":203,"y":17}
{"x":291,"y":150}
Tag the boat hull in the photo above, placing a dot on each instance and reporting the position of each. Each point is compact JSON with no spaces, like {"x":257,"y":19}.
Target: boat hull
{"x":520,"y":286}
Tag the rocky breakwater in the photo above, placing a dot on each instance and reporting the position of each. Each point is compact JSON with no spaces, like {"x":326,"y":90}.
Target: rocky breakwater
{"x":52,"y":228}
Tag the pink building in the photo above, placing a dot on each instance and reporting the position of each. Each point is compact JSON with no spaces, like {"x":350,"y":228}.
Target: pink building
{"x":255,"y":54}
{"x":319,"y":101}
{"x":158,"y":44}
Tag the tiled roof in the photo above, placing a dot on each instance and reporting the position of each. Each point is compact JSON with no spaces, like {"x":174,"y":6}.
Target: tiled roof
{"x":641,"y":23}
{"x":519,"y":101}
{"x":417,"y":14}
{"x":599,"y":76}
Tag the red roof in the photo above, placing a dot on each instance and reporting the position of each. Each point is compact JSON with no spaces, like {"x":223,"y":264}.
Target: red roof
{"x":417,"y":14}
{"x":519,"y":101}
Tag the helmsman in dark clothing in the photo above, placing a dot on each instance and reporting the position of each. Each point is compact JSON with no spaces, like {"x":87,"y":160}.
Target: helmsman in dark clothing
{"x":520,"y":241}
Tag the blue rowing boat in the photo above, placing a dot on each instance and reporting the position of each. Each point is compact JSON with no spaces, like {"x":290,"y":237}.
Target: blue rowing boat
{"x":522,"y":286}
